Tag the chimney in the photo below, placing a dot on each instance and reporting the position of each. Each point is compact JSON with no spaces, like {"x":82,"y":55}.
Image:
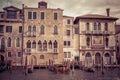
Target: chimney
{"x":42,"y":4}
{"x":108,"y":12}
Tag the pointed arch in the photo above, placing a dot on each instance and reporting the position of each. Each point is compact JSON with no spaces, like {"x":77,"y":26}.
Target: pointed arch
{"x":55,"y":44}
{"x":39,"y":45}
{"x":42,"y":29}
{"x":34,"y":44}
{"x":2,"y":44}
{"x":88,"y":41}
{"x":28,"y":44}
{"x":18,"y":42}
{"x":34,"y":30}
{"x":29,"y":28}
{"x":50,"y":44}
{"x":55,"y":29}
{"x":9,"y":42}
{"x":45,"y":45}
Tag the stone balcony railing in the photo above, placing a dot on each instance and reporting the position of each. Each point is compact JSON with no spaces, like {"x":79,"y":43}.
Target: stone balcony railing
{"x":96,"y":32}
{"x":1,"y":33}
{"x":29,"y":51}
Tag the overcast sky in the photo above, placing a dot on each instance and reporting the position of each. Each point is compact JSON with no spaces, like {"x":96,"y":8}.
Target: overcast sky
{"x":72,"y":7}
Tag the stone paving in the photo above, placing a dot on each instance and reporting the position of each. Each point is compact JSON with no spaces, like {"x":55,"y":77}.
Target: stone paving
{"x":44,"y":74}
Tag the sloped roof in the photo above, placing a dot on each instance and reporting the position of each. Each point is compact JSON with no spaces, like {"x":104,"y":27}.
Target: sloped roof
{"x":95,"y":16}
{"x":68,"y":16}
{"x":11,"y":7}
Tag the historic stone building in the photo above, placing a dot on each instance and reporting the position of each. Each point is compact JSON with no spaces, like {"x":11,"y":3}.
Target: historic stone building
{"x":118,"y":43}
{"x":10,"y":35}
{"x":96,"y":39}
{"x":43,"y":36}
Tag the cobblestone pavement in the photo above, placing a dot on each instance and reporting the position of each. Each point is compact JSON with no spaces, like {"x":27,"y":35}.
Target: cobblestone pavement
{"x":44,"y":74}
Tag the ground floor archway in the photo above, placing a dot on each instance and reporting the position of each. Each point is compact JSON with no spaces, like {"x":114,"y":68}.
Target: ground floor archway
{"x":88,"y":60}
{"x":107,"y":59}
{"x":97,"y":59}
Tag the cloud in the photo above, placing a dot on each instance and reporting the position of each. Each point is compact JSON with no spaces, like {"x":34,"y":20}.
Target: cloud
{"x":72,"y":7}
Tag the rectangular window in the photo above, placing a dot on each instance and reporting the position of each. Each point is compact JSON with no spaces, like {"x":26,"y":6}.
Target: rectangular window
{"x":12,"y":14}
{"x":68,"y":21}
{"x":34,"y":15}
{"x":9,"y":54}
{"x":55,"y":16}
{"x":65,"y":43}
{"x":20,"y":29}
{"x":68,"y":32}
{"x":65,"y":54}
{"x":68,"y":43}
{"x":69,"y":54}
{"x":76,"y":30}
{"x":8,"y":28}
{"x":29,"y":15}
{"x":19,"y":54}
{"x":1,"y":29}
{"x":42,"y":15}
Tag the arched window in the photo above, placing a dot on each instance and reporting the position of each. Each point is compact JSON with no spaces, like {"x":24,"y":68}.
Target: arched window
{"x":55,"y":29}
{"x":97,"y":58}
{"x":107,"y":58}
{"x":29,"y":30}
{"x":106,"y":26}
{"x":55,"y":44}
{"x":88,"y":42}
{"x":95,"y":26}
{"x":9,"y":42}
{"x":50,"y":44}
{"x":28,"y":44}
{"x":88,"y":59}
{"x":45,"y":45}
{"x":87,"y":26}
{"x":106,"y":42}
{"x":39,"y":45}
{"x":2,"y":44}
{"x":34,"y":44}
{"x":41,"y":56}
{"x":18,"y":42}
{"x":34,"y":30}
{"x":88,"y":55}
{"x":99,"y":26}
{"x":42,"y":29}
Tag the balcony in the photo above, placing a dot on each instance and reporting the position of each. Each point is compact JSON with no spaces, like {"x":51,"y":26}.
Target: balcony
{"x":97,"y":32}
{"x":87,"y":32}
{"x":83,"y":47}
{"x":1,"y":33}
{"x":31,"y":34}
{"x":97,"y":47}
{"x":28,"y":51}
{"x":55,"y":50}
{"x":106,"y":32}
